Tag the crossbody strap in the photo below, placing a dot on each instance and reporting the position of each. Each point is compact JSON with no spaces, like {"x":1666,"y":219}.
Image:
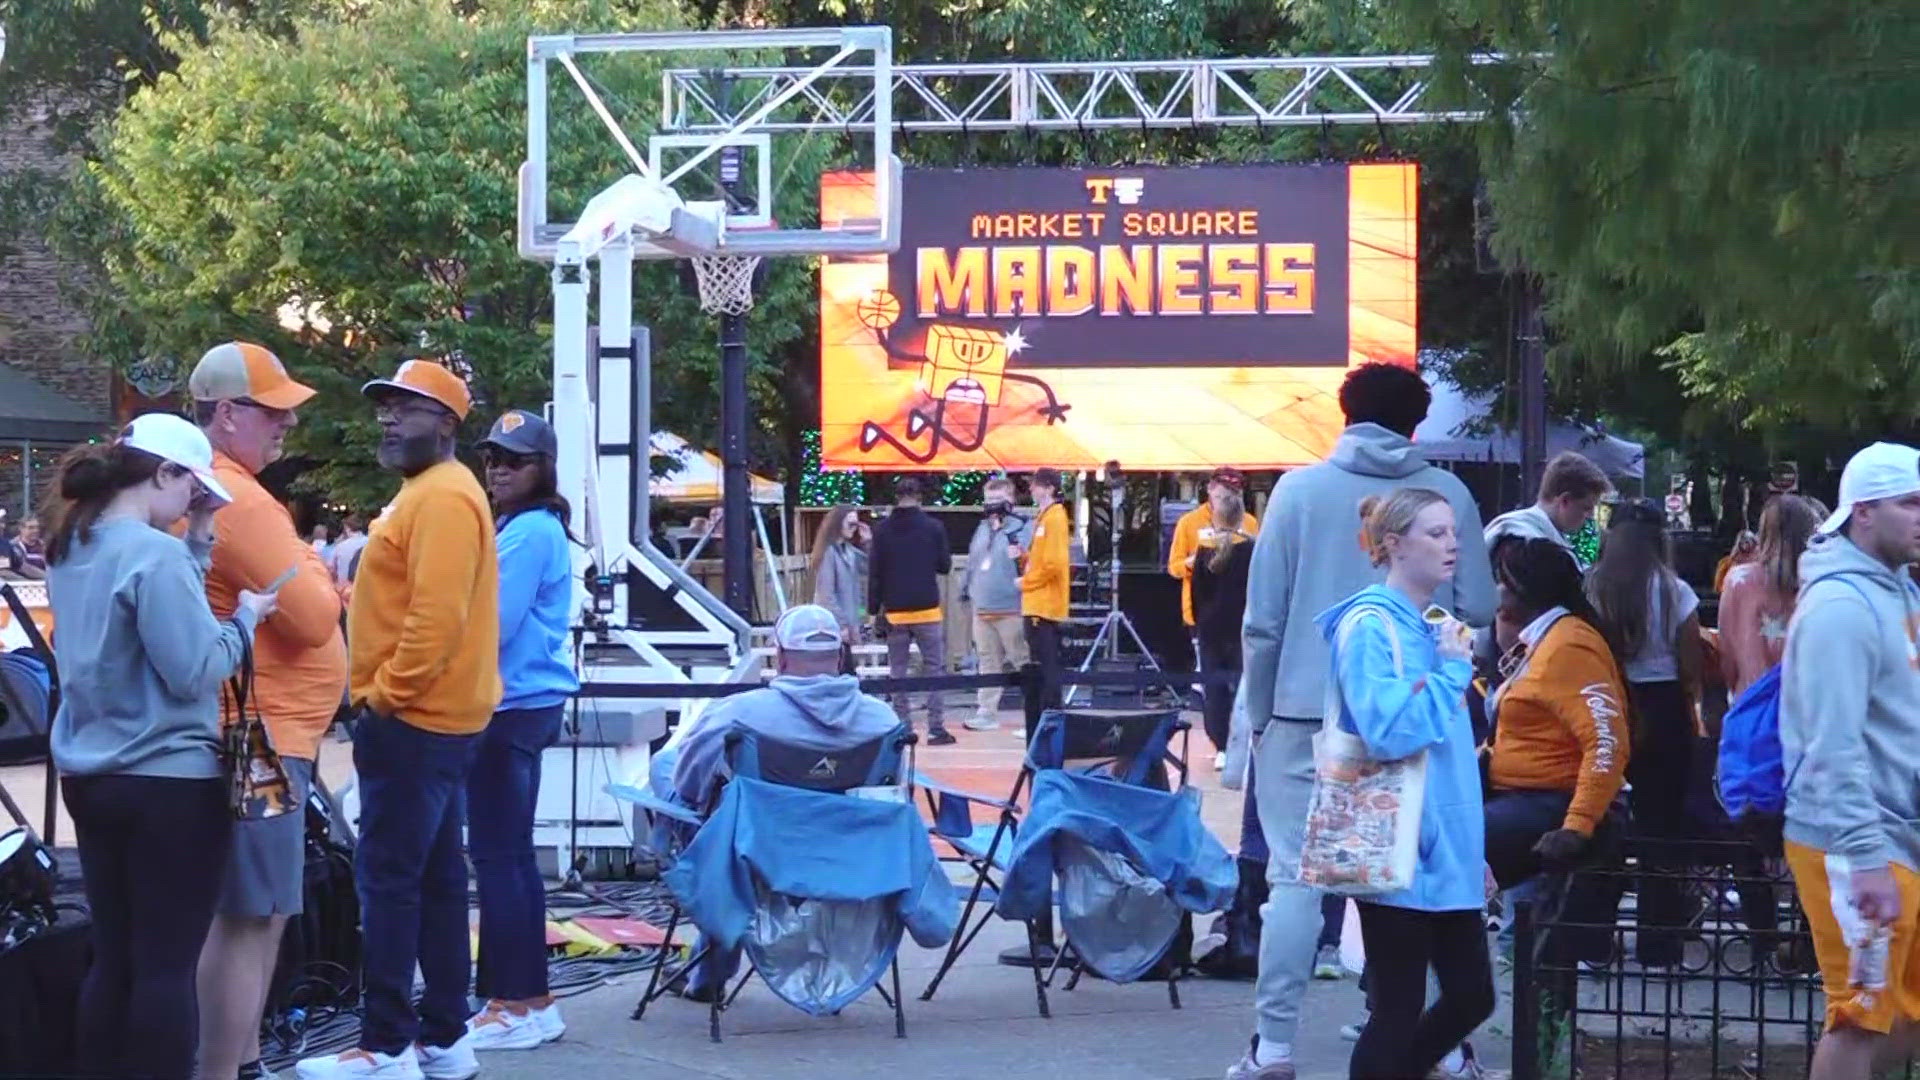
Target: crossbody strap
{"x":1348,"y":622}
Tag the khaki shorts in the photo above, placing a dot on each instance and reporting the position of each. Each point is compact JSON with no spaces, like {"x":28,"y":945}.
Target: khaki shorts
{"x":266,"y":874}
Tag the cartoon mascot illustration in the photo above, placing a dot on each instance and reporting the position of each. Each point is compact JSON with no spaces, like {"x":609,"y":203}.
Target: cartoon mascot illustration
{"x":963,"y":366}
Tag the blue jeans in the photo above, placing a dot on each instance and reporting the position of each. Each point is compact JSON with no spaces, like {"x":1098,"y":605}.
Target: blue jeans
{"x":412,"y":881}
{"x":501,"y":793}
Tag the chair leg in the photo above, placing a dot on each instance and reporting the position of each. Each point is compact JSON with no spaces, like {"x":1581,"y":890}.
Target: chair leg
{"x":1173,"y":984}
{"x":713,"y":1015}
{"x":653,"y":981}
{"x":962,"y":938}
{"x":1039,"y":981}
{"x":899,"y":1004}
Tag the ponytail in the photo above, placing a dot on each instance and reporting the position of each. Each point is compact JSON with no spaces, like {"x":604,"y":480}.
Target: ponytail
{"x":90,"y":477}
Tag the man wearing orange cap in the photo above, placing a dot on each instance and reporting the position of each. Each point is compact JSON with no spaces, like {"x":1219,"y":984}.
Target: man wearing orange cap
{"x":244,"y":400}
{"x":423,"y":630}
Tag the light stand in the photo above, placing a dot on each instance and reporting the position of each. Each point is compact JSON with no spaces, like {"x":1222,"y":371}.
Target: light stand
{"x":1115,"y":622}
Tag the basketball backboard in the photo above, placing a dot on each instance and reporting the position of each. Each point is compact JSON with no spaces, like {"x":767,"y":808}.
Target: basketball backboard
{"x":692,"y":186}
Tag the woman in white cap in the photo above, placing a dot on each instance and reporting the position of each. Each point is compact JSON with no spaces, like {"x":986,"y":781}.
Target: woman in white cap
{"x":536,"y":679}
{"x":136,"y":738}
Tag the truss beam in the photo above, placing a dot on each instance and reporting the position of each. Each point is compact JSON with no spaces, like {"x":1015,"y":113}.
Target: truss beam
{"x":1094,"y":95}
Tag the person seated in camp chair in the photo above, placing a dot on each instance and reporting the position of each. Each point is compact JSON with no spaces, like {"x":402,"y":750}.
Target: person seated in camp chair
{"x":809,"y":703}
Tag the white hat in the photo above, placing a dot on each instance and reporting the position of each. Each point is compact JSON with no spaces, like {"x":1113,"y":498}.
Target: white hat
{"x":807,"y":628}
{"x":1881,"y":471}
{"x":175,"y":439}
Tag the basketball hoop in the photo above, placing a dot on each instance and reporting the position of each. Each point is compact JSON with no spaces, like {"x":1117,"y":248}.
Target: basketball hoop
{"x":725,"y":282}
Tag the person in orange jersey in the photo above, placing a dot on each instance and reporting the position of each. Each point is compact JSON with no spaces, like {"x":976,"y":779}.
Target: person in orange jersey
{"x":244,"y":400}
{"x":423,"y":631}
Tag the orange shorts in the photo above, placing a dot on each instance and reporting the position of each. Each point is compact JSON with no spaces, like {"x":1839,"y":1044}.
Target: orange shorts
{"x":1867,"y":1010}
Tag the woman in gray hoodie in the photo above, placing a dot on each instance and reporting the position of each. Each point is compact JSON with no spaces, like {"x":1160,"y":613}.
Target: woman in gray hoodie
{"x":136,"y":737}
{"x":839,"y":567}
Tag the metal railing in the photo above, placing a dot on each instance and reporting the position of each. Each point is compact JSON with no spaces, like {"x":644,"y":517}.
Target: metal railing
{"x":1679,"y":960}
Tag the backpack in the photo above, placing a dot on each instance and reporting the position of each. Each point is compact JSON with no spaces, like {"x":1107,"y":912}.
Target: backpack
{"x":1752,"y":777}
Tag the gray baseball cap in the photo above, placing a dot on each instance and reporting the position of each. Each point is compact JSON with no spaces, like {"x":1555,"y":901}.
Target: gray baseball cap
{"x":521,"y":432}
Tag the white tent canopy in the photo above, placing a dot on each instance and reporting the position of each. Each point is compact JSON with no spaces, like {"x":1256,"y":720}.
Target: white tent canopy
{"x":696,"y":475}
{"x":1443,"y":436}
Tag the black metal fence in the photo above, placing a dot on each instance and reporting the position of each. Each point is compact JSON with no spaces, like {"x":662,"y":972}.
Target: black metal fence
{"x":1675,"y":960}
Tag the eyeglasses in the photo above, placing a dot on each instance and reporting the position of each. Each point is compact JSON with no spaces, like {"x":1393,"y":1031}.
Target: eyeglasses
{"x":388,"y":413}
{"x":269,"y":411}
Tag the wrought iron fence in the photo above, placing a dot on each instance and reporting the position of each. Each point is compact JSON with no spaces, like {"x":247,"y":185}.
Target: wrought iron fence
{"x":1676,"y":960}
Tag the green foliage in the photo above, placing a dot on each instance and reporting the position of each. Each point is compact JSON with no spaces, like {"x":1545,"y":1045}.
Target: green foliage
{"x":365,"y":177}
{"x":1720,"y":195}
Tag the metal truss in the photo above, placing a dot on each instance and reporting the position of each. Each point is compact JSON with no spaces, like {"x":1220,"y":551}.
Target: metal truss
{"x":1083,"y":96}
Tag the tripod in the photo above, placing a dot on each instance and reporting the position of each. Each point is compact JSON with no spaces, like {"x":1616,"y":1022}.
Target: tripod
{"x":1115,"y":622}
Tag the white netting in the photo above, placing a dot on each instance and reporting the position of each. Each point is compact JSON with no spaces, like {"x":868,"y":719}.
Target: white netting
{"x":726,"y":283}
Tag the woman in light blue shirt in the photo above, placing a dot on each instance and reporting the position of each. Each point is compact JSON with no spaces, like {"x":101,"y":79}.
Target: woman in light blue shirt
{"x":1402,"y":682}
{"x":537,"y":679}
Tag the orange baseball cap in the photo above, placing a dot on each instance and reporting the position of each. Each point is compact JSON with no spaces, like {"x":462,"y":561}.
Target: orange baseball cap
{"x":240,"y":369}
{"x":429,"y":380}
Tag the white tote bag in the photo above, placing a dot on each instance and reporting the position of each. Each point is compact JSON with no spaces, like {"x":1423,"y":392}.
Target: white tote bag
{"x":1363,"y":823}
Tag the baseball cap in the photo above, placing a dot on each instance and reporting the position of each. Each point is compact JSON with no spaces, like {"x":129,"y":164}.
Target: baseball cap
{"x":807,"y":628}
{"x":428,"y":380}
{"x":175,"y":439}
{"x":1047,"y":478}
{"x":1229,"y":476}
{"x":521,"y":432}
{"x":241,"y":369}
{"x":1881,"y":471}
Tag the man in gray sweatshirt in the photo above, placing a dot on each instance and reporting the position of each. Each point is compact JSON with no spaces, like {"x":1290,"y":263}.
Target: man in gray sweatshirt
{"x":991,"y":583}
{"x":1307,"y":558}
{"x":1850,"y":745}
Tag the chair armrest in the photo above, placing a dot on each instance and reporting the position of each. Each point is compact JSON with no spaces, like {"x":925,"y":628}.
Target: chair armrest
{"x":652,"y":805}
{"x":922,"y":780}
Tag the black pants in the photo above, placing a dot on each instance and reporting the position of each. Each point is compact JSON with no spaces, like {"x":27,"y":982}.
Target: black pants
{"x":1661,"y":772}
{"x":1221,"y":653}
{"x":1043,"y":649}
{"x":154,"y":850}
{"x":1573,"y":916}
{"x":1403,"y":1037}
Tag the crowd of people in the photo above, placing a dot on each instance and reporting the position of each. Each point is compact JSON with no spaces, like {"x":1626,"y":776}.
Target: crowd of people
{"x":180,"y":588}
{"x":1555,"y":709}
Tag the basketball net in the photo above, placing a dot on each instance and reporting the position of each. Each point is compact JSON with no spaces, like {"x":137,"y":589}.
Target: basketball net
{"x":726,"y":283}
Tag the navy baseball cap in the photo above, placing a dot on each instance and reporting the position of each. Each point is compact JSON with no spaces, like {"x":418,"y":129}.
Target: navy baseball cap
{"x":521,"y":432}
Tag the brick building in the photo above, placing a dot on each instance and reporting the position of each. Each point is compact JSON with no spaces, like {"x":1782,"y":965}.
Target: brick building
{"x":52,"y":394}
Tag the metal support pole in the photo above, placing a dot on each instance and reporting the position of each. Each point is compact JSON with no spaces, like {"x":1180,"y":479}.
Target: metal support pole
{"x":736,"y":537}
{"x":1533,"y":391}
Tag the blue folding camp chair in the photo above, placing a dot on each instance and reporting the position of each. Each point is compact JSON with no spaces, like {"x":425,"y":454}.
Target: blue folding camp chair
{"x":819,"y":928}
{"x":1127,"y":847}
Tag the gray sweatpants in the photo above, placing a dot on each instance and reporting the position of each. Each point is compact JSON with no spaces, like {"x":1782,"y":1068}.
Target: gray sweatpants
{"x":1290,"y":919}
{"x":931,"y":639}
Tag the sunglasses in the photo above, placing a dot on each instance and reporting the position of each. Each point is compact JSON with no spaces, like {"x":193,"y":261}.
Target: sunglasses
{"x":504,"y":459}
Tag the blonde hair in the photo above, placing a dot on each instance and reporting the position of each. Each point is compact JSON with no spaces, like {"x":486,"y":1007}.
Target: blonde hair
{"x":1228,"y":527}
{"x":1392,"y":514}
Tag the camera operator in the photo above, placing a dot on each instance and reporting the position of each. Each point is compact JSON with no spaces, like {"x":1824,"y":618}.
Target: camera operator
{"x":991,"y":582}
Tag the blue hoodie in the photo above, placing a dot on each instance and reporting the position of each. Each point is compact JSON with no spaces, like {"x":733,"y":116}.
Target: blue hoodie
{"x":536,"y":595}
{"x":1398,"y":716}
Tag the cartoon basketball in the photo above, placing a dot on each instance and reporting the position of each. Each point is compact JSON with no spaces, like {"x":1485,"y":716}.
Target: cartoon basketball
{"x":878,"y":310}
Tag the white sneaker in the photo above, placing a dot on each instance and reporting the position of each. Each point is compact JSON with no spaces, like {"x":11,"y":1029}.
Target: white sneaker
{"x":454,"y":1062}
{"x":497,"y":1027}
{"x":361,"y":1065}
{"x":982,"y":723}
{"x":551,"y":1026}
{"x":1351,"y":1032}
{"x":1220,"y":761}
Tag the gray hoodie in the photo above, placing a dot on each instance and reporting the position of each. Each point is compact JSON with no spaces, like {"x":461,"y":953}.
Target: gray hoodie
{"x":1850,"y":709}
{"x":819,"y":712}
{"x":1527,"y":523}
{"x":142,"y":658}
{"x":1308,"y":558}
{"x":840,"y":585}
{"x":991,"y":580}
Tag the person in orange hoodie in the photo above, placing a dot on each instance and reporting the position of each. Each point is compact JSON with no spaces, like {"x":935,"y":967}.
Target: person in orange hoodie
{"x":1198,"y":532}
{"x":423,"y":634}
{"x":1561,"y":737}
{"x":245,"y":402}
{"x":1044,"y":581}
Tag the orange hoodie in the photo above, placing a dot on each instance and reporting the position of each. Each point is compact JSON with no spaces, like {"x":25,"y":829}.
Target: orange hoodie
{"x":423,"y":630}
{"x":1043,"y":585}
{"x":1561,"y":722}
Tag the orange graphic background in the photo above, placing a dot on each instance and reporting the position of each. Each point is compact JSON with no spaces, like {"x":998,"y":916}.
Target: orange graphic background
{"x":1192,"y":417}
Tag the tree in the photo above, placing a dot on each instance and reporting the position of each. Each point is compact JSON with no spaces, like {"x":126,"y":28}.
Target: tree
{"x":1724,"y":191}
{"x":348,"y":198}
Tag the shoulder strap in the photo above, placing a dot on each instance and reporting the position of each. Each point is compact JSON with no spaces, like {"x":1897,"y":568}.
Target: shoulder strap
{"x":1330,"y":715}
{"x":240,"y":683}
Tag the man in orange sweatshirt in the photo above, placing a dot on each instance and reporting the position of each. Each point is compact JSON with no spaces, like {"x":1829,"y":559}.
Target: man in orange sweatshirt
{"x":423,"y":631}
{"x":1044,"y":582}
